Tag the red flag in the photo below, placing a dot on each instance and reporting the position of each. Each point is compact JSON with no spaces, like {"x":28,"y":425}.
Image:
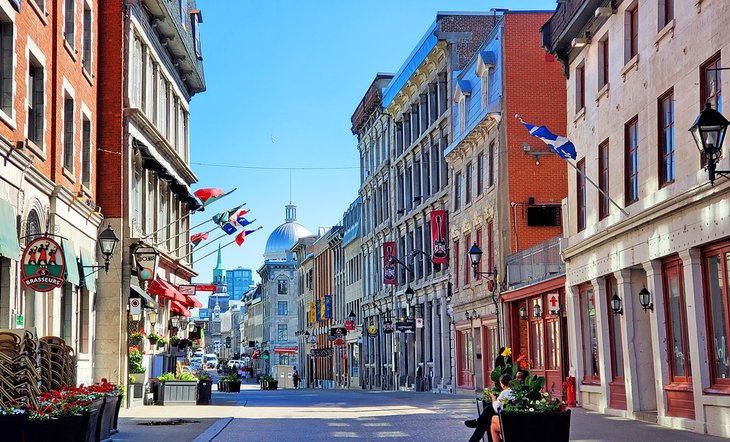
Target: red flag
{"x":241,"y":237}
{"x":208,"y":194}
{"x":438,"y":237}
{"x":389,"y":276}
{"x":198,"y":237}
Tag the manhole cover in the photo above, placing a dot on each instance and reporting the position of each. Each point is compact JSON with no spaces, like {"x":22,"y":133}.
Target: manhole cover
{"x":171,"y":422}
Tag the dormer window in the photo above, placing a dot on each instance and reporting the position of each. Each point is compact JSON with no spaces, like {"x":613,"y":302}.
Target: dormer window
{"x":485,"y":63}
{"x":463,"y":91}
{"x":195,"y":19}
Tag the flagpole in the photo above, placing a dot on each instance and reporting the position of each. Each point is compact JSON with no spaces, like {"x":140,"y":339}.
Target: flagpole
{"x":195,"y":249}
{"x":601,"y":191}
{"x":223,"y":247}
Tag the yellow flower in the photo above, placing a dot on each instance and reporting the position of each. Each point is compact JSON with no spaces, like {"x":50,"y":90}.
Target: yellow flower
{"x":507,"y":352}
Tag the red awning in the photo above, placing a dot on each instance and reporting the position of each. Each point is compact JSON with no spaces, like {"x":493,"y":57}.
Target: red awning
{"x":180,"y":309}
{"x":162,"y":288}
{"x":192,"y":302}
{"x":286,"y":350}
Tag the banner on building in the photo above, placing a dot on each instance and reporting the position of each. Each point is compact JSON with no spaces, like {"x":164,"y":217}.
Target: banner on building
{"x":439,"y":237}
{"x":318,"y":310}
{"x":44,"y":265}
{"x":327,"y":306}
{"x":312,"y":313}
{"x":389,"y":275}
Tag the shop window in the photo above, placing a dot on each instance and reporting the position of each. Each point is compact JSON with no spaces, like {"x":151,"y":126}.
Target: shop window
{"x":553,"y":335}
{"x":677,"y":341}
{"x":537,"y":335}
{"x":83,"y":321}
{"x":591,"y":374}
{"x":717,"y":300}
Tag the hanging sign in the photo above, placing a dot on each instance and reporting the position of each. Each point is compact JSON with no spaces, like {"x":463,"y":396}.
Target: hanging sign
{"x":372,"y":330}
{"x":147,"y":259}
{"x":553,"y":301}
{"x":187,"y":290}
{"x":419,"y":322}
{"x":205,"y":288}
{"x":438,"y":237}
{"x":135,"y":306}
{"x":43,"y":265}
{"x":387,"y":327}
{"x":405,"y":326}
{"x":327,"y":306}
{"x":349,"y":325}
{"x":19,"y":321}
{"x":389,"y":250}
{"x":338,"y":331}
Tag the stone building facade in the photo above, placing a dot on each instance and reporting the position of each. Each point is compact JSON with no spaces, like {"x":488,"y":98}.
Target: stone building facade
{"x":638,"y":74}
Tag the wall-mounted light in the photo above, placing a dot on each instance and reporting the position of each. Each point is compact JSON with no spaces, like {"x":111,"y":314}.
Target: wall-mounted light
{"x":523,"y":313}
{"x":537,"y":310}
{"x":616,"y":305}
{"x":645,"y":299}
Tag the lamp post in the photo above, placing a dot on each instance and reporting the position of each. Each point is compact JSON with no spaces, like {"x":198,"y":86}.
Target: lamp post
{"x":475,"y":256}
{"x":708,"y":131}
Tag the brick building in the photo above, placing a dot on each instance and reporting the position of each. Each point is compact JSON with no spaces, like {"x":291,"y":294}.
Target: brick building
{"x":150,"y":66}
{"x":48,"y":165}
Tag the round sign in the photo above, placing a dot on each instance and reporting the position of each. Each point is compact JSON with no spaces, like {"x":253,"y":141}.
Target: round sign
{"x":134,"y":302}
{"x":43,"y":265}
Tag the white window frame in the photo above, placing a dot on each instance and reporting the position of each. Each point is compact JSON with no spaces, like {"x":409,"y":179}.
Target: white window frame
{"x":71,"y":43}
{"x":86,"y":114}
{"x":9,"y":12}
{"x":87,"y":3}
{"x":482,"y":70}
{"x":32,"y":50}
{"x":69,"y":90}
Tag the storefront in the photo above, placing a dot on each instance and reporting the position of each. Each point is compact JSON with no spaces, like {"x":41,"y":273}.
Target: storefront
{"x":537,"y":329}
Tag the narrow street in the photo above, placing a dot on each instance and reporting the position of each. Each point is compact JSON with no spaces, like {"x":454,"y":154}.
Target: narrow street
{"x":319,"y":415}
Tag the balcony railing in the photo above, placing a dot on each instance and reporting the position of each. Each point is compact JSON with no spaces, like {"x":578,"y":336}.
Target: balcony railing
{"x":535,"y":264}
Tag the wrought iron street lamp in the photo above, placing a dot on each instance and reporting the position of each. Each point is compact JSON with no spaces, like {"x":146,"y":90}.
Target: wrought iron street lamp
{"x":523,"y":313}
{"x":537,"y":310}
{"x":708,"y":131}
{"x":152,"y":316}
{"x":107,"y":243}
{"x":475,"y":256}
{"x":616,"y":305}
{"x":352,"y":316}
{"x":645,"y":299}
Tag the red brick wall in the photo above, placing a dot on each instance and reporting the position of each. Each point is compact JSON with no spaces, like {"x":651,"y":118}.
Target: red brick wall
{"x":478,"y":25}
{"x":111,"y":141}
{"x":534,"y":88}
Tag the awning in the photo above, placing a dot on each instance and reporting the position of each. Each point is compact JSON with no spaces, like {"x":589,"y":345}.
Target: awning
{"x":180,"y":309}
{"x":137,"y":292}
{"x":162,"y":288}
{"x":286,"y":350}
{"x":192,"y":302}
{"x":9,"y":246}
{"x":72,"y":263}
{"x":89,"y":273}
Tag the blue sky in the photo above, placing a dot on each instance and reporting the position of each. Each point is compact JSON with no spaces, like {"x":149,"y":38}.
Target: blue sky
{"x":283,"y":78}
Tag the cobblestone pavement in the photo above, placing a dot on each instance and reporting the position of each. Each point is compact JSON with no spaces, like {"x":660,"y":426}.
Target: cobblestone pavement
{"x":326,"y":415}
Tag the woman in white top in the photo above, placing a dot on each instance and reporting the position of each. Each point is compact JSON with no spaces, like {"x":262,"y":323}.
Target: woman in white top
{"x":498,"y":402}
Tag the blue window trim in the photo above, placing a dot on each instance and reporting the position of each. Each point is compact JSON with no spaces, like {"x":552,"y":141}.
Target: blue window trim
{"x":16,"y":4}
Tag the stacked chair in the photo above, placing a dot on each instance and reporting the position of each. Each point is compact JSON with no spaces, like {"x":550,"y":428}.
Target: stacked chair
{"x":57,"y":364}
{"x":19,"y":375}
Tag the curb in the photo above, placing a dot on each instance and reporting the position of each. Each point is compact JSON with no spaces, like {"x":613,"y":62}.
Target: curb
{"x":213,"y":431}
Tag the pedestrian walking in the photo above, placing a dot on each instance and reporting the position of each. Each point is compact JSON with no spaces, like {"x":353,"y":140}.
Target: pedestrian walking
{"x":295,"y":378}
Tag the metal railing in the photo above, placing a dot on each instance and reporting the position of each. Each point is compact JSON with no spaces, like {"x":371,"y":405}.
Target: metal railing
{"x":535,"y":264}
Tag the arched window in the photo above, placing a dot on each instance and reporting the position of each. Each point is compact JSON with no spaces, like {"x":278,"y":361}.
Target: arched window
{"x":282,"y":287}
{"x":32,"y":226}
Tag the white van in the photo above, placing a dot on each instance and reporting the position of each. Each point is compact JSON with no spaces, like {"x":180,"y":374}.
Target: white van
{"x":211,"y":360}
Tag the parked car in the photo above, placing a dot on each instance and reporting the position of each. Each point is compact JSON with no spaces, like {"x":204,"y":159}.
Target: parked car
{"x":233,"y":362}
{"x":211,"y":360}
{"x":196,"y":363}
{"x":198,"y":353}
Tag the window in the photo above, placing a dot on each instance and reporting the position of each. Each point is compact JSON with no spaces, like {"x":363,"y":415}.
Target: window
{"x":183,"y":13}
{"x":136,"y":196}
{"x":68,"y":133}
{"x":591,"y":375}
{"x":83,"y":321}
{"x":6,"y":65}
{"x":456,"y":263}
{"x":543,"y":216}
{"x":32,"y":226}
{"x":87,"y":55}
{"x":677,"y":342}
{"x":537,"y":335}
{"x":462,"y":114}
{"x":478,"y":242}
{"x":631,"y":161}
{"x":282,"y":332}
{"x":581,"y":194}
{"x":282,"y":287}
{"x":666,"y":12}
{"x":86,"y":152}
{"x":603,"y":173}
{"x":492,"y":153}
{"x":67,"y":311}
{"x":196,"y":35}
{"x":36,"y":102}
{"x":457,"y":192}
{"x":554,"y":344}
{"x":282,"y":308}
{"x":666,"y":138}
{"x":490,"y":246}
{"x":603,"y":63}
{"x":614,"y":331}
{"x":580,"y":88}
{"x":467,"y":262}
{"x":480,"y":174}
{"x":717,"y":299}
{"x":711,"y":83}
{"x":41,"y":4}
{"x":467,"y":187}
{"x":485,"y":88}
{"x":69,"y":28}
{"x":631,"y":33}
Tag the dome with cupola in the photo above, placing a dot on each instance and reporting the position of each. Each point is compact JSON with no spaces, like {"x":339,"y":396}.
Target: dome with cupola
{"x":285,"y":236}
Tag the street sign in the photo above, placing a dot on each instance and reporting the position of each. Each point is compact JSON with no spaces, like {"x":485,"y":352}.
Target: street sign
{"x":338,"y":331}
{"x":187,"y":290}
{"x":205,"y":287}
{"x":553,"y":301}
{"x":19,"y":321}
{"x":135,"y":306}
{"x":419,"y":322}
{"x":405,"y":326}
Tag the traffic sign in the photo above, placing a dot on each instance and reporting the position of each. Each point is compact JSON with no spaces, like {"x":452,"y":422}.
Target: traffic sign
{"x":335,"y":331}
{"x":135,"y":306}
{"x":553,"y":301}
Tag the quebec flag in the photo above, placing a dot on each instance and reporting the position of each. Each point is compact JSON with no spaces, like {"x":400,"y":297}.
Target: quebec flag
{"x":560,"y":145}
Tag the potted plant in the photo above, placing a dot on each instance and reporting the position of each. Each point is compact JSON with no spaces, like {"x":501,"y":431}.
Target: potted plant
{"x":174,"y":341}
{"x":530,"y":409}
{"x":230,"y":384}
{"x":205,"y":385}
{"x":67,"y":414}
{"x":180,"y":390}
{"x":135,"y":365}
{"x":112,"y":396}
{"x":269,"y":383}
{"x":161,"y":342}
{"x":153,"y":337}
{"x":136,"y":337}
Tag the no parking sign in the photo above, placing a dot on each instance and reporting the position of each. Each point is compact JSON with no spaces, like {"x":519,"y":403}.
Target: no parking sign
{"x":135,"y":306}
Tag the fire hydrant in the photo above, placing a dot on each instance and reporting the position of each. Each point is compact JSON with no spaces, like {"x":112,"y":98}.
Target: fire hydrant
{"x":569,"y":386}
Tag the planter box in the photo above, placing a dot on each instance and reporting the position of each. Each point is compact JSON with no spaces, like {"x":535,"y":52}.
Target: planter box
{"x":234,"y":386}
{"x":92,"y":428}
{"x":528,"y":427}
{"x":204,"y":392}
{"x":177,"y":392}
{"x":108,"y":414}
{"x":115,"y":422}
{"x":13,"y":427}
{"x":63,"y":429}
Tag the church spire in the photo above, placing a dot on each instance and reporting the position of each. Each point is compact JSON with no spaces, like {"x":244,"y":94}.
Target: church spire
{"x":219,"y":264}
{"x":219,"y":273}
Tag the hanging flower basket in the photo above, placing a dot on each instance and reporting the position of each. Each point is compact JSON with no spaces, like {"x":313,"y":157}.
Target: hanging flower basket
{"x":153,"y":338}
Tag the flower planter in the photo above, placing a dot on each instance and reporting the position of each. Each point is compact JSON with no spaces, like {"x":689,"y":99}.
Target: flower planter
{"x":115,"y":422}
{"x":13,"y":426}
{"x":223,"y":386}
{"x":528,"y":427}
{"x":234,"y":387}
{"x":204,"y":392}
{"x":135,"y":341}
{"x":63,"y":429}
{"x":152,"y":339}
{"x":177,"y":392}
{"x":94,"y":421}
{"x":107,"y":417}
{"x":183,"y":344}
